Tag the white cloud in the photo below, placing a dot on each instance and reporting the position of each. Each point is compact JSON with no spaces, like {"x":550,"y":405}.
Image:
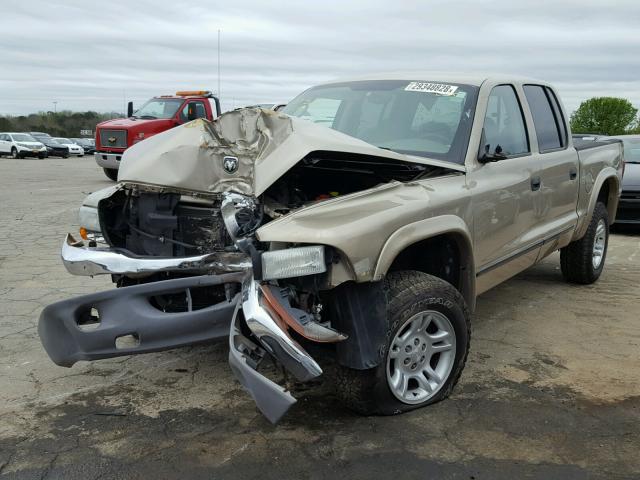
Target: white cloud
{"x":90,"y":55}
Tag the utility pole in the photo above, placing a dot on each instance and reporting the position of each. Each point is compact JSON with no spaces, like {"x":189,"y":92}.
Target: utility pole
{"x":219,"y":95}
{"x":55,"y":107}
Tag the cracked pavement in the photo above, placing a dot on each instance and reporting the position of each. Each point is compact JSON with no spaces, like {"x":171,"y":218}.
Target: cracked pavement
{"x":551,"y":388}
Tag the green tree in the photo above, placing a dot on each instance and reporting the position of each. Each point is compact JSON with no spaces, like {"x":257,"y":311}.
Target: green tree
{"x":604,"y":115}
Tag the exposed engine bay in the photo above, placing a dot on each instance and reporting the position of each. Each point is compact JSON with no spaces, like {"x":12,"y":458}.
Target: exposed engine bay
{"x":153,"y":222}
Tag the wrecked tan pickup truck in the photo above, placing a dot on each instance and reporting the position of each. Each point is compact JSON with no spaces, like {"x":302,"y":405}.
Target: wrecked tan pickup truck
{"x":359,"y":223}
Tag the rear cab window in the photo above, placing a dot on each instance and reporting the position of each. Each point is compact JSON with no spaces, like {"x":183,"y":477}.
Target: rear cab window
{"x":548,"y":120}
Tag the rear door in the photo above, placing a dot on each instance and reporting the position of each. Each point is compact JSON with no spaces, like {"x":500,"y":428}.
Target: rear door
{"x":555,"y":203}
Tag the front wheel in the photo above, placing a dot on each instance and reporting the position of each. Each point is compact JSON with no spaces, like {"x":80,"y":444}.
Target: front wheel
{"x":427,"y":344}
{"x":112,"y":173}
{"x":582,"y":261}
{"x":14,"y":153}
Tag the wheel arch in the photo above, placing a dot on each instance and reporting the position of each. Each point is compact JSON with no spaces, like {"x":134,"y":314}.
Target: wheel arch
{"x":606,"y":188}
{"x":448,"y":237}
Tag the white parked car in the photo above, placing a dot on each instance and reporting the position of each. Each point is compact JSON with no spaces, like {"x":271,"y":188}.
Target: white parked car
{"x":74,"y":148}
{"x":20,"y":145}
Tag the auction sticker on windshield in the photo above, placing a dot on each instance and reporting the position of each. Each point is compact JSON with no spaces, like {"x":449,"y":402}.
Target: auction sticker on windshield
{"x":426,"y":87}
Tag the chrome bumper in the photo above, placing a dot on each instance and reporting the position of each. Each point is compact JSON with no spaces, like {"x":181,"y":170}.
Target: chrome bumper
{"x":244,"y":355}
{"x":81,"y":260}
{"x":108,"y":160}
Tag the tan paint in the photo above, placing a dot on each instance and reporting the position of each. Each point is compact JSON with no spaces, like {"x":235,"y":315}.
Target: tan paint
{"x":503,"y":224}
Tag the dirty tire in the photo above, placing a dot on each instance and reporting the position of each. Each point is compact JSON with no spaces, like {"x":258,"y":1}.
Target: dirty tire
{"x":408,"y":293}
{"x":576,"y":258}
{"x":112,"y":173}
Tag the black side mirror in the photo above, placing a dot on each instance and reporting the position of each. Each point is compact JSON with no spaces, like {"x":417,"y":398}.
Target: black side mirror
{"x":487,"y":157}
{"x":484,"y":156}
{"x":191,"y":112}
{"x":129,"y":109}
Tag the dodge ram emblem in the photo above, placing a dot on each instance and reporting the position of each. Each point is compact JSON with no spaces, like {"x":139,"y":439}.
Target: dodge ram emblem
{"x":230,"y":164}
{"x":112,"y":139}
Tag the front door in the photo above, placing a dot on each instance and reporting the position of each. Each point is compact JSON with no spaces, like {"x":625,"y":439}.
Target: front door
{"x":502,"y":196}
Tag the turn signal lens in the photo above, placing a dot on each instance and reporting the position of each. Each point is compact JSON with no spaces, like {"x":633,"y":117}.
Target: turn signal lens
{"x":83,"y":233}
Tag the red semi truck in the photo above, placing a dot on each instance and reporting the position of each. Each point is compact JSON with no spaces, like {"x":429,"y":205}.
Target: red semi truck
{"x":113,"y":137}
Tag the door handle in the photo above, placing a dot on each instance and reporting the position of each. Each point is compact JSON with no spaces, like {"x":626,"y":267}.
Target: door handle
{"x":535,"y":183}
{"x":573,"y":173}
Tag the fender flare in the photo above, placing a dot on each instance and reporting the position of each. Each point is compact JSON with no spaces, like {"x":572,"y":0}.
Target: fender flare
{"x":605,"y":175}
{"x":429,"y":228}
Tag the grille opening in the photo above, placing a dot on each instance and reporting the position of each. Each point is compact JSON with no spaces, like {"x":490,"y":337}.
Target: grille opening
{"x":189,"y":300}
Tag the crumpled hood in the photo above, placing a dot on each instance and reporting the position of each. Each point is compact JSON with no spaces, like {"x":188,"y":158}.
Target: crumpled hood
{"x":265,"y":143}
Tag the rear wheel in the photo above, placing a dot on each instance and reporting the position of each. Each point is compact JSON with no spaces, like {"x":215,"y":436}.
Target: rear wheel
{"x":426,"y":349}
{"x":582,"y":261}
{"x":112,"y":173}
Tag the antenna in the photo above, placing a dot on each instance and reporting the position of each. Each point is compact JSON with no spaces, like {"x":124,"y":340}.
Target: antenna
{"x":219,"y":96}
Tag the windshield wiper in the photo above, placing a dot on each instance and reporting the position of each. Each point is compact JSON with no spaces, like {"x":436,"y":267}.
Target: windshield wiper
{"x":147,"y":117}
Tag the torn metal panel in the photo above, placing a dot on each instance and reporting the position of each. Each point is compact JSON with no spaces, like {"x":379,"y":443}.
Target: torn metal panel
{"x":244,"y":150}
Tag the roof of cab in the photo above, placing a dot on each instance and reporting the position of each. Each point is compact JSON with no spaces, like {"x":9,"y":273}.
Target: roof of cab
{"x":476,"y":79}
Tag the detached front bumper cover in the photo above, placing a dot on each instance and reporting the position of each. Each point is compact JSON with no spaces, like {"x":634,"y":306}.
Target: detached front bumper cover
{"x":129,"y":312}
{"x":81,"y":260}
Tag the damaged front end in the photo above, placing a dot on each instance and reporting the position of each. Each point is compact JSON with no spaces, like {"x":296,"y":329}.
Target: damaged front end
{"x":180,"y":236}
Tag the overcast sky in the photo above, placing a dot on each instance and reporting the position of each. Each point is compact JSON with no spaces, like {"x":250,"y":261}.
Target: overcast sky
{"x":91,"y":55}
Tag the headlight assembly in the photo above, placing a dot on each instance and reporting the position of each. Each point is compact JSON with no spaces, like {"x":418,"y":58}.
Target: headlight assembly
{"x":293,"y":262}
{"x":88,"y":218}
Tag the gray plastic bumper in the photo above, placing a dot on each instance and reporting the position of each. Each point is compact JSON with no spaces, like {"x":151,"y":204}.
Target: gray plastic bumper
{"x":126,"y":312}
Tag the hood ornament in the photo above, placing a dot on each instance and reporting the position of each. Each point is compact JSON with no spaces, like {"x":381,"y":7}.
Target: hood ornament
{"x":230,"y":164}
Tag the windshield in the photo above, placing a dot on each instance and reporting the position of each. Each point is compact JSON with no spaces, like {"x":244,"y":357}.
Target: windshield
{"x":417,"y":118}
{"x":632,"y":150}
{"x":23,"y":137}
{"x":159,"y":108}
{"x":62,"y":140}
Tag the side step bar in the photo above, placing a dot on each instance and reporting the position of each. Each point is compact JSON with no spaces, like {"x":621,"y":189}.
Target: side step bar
{"x":126,"y":323}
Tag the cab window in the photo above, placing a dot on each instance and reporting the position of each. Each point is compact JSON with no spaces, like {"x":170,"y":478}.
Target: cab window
{"x":199,"y":107}
{"x":504,"y":128}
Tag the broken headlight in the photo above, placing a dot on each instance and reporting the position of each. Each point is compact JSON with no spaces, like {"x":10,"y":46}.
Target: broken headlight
{"x":241,"y":214}
{"x":293,"y":262}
